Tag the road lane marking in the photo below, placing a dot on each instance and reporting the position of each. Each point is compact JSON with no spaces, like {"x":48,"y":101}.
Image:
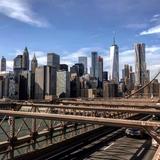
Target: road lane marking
{"x":140,"y":152}
{"x":108,"y":146}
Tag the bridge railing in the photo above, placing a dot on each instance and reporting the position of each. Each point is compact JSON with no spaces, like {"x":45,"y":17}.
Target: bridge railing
{"x":22,"y":135}
{"x":27,"y":128}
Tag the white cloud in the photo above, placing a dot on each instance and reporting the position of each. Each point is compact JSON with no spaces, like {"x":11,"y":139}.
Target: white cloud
{"x":127,"y":52}
{"x":155,"y":18}
{"x":152,"y":49}
{"x":156,"y":15}
{"x":153,"y":30}
{"x":9,"y":65}
{"x":21,"y":11}
{"x":155,"y":22}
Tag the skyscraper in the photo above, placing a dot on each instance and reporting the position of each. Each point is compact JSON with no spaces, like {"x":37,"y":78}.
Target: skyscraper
{"x":114,"y":63}
{"x":45,"y":81}
{"x":3,"y":64}
{"x":105,"y":75}
{"x":128,"y":79}
{"x":94,"y":68}
{"x":63,"y":67}
{"x":23,"y":85}
{"x":100,"y":69}
{"x":83,"y":60}
{"x":140,"y":64}
{"x":25,"y":59}
{"x":63,"y":84}
{"x":34,"y":64}
{"x":78,"y":68}
{"x":53,"y":60}
{"x":125,"y":72}
{"x":17,"y":66}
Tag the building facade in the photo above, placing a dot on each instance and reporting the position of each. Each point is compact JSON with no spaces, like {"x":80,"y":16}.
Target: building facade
{"x":53,"y":60}
{"x":105,"y":76}
{"x":100,"y":70}
{"x":83,"y":60}
{"x":34,"y":64}
{"x":6,"y":87}
{"x":140,"y":64}
{"x":3,"y":64}
{"x":94,"y":68}
{"x":25,"y":59}
{"x":63,"y":67}
{"x":114,"y":63}
{"x":74,"y":86}
{"x":45,"y":81}
{"x":110,"y":89}
{"x":17,"y":64}
{"x":78,"y":68}
{"x":63,"y":84}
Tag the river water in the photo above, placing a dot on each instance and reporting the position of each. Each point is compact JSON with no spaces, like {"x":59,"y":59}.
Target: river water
{"x":41,"y":142}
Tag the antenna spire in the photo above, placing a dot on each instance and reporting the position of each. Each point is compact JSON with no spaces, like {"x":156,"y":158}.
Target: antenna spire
{"x":114,"y":38}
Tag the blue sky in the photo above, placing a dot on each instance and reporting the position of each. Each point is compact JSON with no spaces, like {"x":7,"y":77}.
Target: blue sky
{"x":72,"y":28}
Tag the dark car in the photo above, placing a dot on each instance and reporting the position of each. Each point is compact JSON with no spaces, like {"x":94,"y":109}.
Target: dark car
{"x":134,"y":132}
{"x":156,"y":117}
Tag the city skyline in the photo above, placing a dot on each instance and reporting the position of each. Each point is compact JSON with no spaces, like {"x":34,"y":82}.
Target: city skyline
{"x":148,"y":51}
{"x":77,"y":33}
{"x":80,"y":79}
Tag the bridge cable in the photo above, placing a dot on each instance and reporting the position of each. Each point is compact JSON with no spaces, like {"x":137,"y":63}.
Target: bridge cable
{"x":143,"y":86}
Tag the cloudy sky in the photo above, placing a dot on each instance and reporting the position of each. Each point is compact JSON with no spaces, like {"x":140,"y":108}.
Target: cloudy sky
{"x":73,"y":28}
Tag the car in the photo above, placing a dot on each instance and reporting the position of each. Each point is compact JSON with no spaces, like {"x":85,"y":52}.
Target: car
{"x":156,"y":117}
{"x":134,"y":132}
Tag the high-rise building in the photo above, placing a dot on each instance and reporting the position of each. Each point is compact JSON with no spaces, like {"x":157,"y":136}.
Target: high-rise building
{"x":94,"y":68}
{"x":17,"y":63}
{"x":140,"y":64}
{"x":155,"y":85}
{"x":25,"y":88}
{"x":125,"y":71}
{"x":147,"y":76}
{"x":114,"y":63}
{"x":45,"y":81}
{"x":21,"y":62}
{"x":105,"y":75}
{"x":74,"y":70}
{"x":110,"y":89}
{"x":128,"y":79}
{"x":12,"y":86}
{"x":83,"y":60}
{"x":34,"y":64}
{"x":1,"y":86}
{"x":100,"y":70}
{"x":63,"y":67}
{"x":63,"y":84}
{"x":78,"y":68}
{"x":25,"y":59}
{"x":5,"y":87}
{"x":3,"y":64}
{"x":74,"y":86}
{"x":53,"y":60}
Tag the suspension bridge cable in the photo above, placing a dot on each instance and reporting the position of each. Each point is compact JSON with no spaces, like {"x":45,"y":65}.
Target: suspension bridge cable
{"x":143,"y":86}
